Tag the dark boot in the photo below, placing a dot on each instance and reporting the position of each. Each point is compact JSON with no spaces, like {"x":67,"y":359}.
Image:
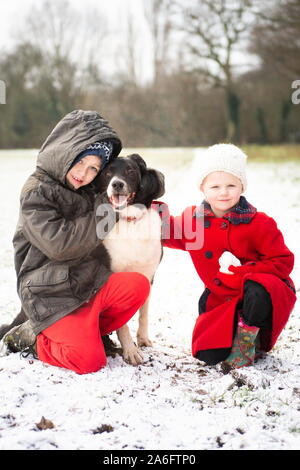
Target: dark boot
{"x":21,"y":339}
{"x":20,"y":318}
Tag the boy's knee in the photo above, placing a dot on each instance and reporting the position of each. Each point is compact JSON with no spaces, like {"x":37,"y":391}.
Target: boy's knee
{"x":136,"y":285}
{"x":88,"y":362}
{"x":141,"y":284}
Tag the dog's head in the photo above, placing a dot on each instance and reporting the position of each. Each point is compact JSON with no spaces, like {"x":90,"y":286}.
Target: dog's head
{"x":127,"y":181}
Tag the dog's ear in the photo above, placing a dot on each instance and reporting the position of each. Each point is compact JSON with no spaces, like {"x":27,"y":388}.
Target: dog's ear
{"x":139,"y":161}
{"x":152,"y":186}
{"x":159,"y":179}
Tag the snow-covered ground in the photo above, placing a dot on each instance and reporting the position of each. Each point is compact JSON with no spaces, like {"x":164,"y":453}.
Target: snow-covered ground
{"x":171,"y":401}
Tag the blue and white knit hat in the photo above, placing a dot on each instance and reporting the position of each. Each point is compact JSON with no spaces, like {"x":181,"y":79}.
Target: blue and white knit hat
{"x":102,"y":149}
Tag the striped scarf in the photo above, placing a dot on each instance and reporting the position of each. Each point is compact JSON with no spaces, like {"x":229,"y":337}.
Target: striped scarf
{"x":243,"y":212}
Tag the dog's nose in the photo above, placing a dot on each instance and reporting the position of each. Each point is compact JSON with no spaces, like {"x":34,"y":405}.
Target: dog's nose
{"x":118,"y":185}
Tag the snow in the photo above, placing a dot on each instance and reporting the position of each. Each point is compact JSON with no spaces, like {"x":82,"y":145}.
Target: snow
{"x":172,"y":401}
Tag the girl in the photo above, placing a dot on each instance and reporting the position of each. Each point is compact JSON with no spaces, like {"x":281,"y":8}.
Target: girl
{"x":247,"y":306}
{"x":65,"y":284}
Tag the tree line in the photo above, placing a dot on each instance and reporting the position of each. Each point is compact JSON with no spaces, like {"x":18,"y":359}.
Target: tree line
{"x":221,"y":70}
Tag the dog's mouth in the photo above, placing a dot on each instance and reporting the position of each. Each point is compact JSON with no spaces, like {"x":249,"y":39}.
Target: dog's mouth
{"x":120,"y":201}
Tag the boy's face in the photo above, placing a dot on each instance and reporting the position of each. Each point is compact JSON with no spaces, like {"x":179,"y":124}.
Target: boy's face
{"x":222,"y":191}
{"x":84,"y":171}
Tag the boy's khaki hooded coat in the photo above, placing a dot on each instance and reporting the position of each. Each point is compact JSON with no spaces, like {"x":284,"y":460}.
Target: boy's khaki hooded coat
{"x":60,"y":261}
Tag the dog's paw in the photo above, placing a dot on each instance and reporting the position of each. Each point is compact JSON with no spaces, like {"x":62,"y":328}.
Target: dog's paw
{"x":132,"y":355}
{"x":143,"y":341}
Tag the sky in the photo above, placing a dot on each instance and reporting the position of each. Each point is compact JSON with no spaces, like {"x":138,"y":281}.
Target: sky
{"x":13,"y":13}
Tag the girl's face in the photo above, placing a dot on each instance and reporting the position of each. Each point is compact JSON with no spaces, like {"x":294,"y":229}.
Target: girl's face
{"x":83,"y":172}
{"x":222,"y":191}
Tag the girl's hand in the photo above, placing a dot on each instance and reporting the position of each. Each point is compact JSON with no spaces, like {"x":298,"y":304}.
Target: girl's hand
{"x":242,"y":270}
{"x":162,"y":209}
{"x":234,"y":281}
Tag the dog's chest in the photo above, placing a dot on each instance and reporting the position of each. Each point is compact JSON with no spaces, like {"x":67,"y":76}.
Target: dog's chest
{"x":136,"y":245}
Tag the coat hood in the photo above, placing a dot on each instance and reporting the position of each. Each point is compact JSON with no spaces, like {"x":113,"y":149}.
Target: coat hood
{"x":71,"y":136}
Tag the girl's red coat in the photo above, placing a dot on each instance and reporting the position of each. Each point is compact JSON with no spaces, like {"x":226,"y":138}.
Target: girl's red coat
{"x":259,"y":245}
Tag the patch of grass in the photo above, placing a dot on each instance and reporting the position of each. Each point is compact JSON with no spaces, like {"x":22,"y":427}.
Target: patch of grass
{"x":295,"y":429}
{"x":273,"y":153}
{"x":183,"y":156}
{"x":176,"y":157}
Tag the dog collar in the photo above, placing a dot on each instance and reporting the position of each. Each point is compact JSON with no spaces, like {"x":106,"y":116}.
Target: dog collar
{"x":132,"y":218}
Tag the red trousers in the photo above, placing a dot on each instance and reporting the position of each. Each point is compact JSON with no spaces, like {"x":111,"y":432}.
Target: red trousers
{"x":74,"y":342}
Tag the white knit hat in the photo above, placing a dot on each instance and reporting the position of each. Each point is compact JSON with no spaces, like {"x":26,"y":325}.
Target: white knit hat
{"x":222,"y":157}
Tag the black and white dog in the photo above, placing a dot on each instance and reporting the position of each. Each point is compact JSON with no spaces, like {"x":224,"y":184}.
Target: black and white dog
{"x":134,"y":243}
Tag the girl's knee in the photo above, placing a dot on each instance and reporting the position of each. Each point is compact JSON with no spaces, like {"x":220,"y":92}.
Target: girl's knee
{"x":256,"y":294}
{"x":257,"y":305}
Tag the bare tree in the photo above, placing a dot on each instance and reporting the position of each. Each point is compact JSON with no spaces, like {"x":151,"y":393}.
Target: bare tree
{"x":132,"y":58}
{"x":276,"y":36}
{"x":276,"y":40}
{"x":158,"y":14}
{"x":214,"y":30}
{"x":132,"y":51}
{"x":71,"y":42}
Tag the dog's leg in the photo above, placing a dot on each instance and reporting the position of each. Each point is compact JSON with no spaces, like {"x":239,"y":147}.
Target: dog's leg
{"x":131,"y":353}
{"x":142,"y":333}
